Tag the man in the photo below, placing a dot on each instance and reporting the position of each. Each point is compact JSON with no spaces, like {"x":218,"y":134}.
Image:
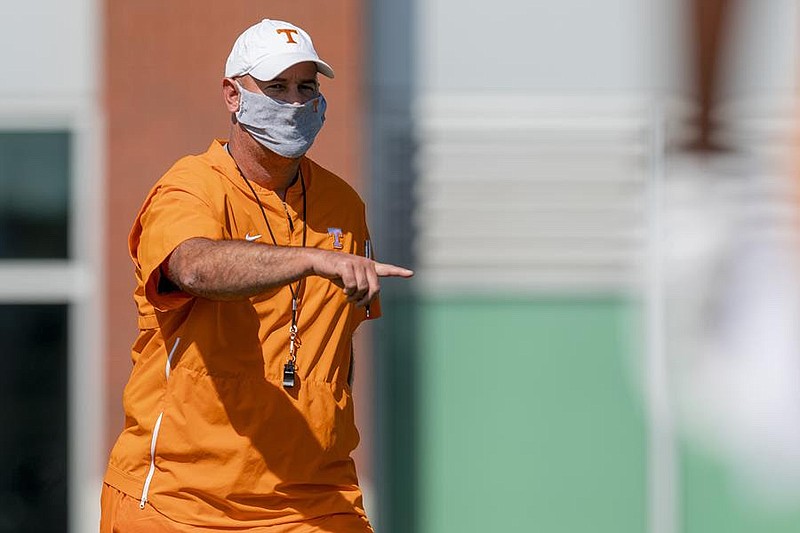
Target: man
{"x":253,"y":271}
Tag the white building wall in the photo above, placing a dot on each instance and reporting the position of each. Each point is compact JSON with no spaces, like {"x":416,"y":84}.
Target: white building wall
{"x":49,"y":49}
{"x":556,"y":100}
{"x":50,"y":72}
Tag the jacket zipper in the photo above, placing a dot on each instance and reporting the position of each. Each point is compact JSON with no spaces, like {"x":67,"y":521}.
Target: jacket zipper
{"x":154,"y":438}
{"x":289,"y":218}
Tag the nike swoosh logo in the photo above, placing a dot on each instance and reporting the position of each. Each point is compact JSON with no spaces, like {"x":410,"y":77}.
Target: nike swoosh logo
{"x":251,"y":238}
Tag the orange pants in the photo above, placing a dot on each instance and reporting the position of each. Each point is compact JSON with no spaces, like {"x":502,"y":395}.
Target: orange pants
{"x":120,"y":513}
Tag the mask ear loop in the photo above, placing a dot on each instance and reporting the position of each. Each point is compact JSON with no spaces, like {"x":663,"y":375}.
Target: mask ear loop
{"x":239,"y":91}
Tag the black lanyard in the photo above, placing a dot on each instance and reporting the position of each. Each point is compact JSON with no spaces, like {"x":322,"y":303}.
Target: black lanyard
{"x":290,"y":367}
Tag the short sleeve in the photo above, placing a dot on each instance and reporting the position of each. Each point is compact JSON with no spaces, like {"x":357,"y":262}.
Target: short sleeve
{"x":171,"y":215}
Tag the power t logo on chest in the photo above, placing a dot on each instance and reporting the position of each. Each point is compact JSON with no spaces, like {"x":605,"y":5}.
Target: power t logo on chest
{"x":336,"y":233}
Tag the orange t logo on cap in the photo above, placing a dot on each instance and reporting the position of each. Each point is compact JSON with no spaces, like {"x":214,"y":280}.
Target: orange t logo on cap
{"x":288,"y":32}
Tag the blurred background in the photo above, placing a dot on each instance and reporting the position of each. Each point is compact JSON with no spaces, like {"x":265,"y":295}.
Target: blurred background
{"x":598,"y":197}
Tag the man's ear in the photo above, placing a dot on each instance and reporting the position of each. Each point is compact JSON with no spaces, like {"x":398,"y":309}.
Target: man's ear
{"x":230,"y":93}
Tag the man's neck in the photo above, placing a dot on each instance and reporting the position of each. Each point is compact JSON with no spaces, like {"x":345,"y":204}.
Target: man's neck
{"x":263,"y":166}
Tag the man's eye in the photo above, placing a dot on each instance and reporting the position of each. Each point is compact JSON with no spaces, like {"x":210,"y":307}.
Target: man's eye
{"x":274,"y":87}
{"x":309,"y":88}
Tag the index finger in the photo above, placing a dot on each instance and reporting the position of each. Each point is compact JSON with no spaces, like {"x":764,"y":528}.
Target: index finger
{"x":385,"y":269}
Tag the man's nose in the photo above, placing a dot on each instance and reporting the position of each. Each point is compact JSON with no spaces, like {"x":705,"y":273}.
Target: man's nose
{"x":294,"y":96}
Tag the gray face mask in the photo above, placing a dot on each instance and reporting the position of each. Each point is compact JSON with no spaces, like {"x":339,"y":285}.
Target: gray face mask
{"x":286,"y":129}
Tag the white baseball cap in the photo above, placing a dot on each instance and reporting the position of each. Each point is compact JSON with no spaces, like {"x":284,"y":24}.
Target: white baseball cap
{"x":266,"y":49}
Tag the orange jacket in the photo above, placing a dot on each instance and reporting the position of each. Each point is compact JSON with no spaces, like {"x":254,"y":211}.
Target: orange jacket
{"x":211,"y":436}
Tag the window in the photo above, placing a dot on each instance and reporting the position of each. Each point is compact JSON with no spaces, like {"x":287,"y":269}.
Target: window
{"x":34,"y":194}
{"x":51,"y":443}
{"x":33,"y":418}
